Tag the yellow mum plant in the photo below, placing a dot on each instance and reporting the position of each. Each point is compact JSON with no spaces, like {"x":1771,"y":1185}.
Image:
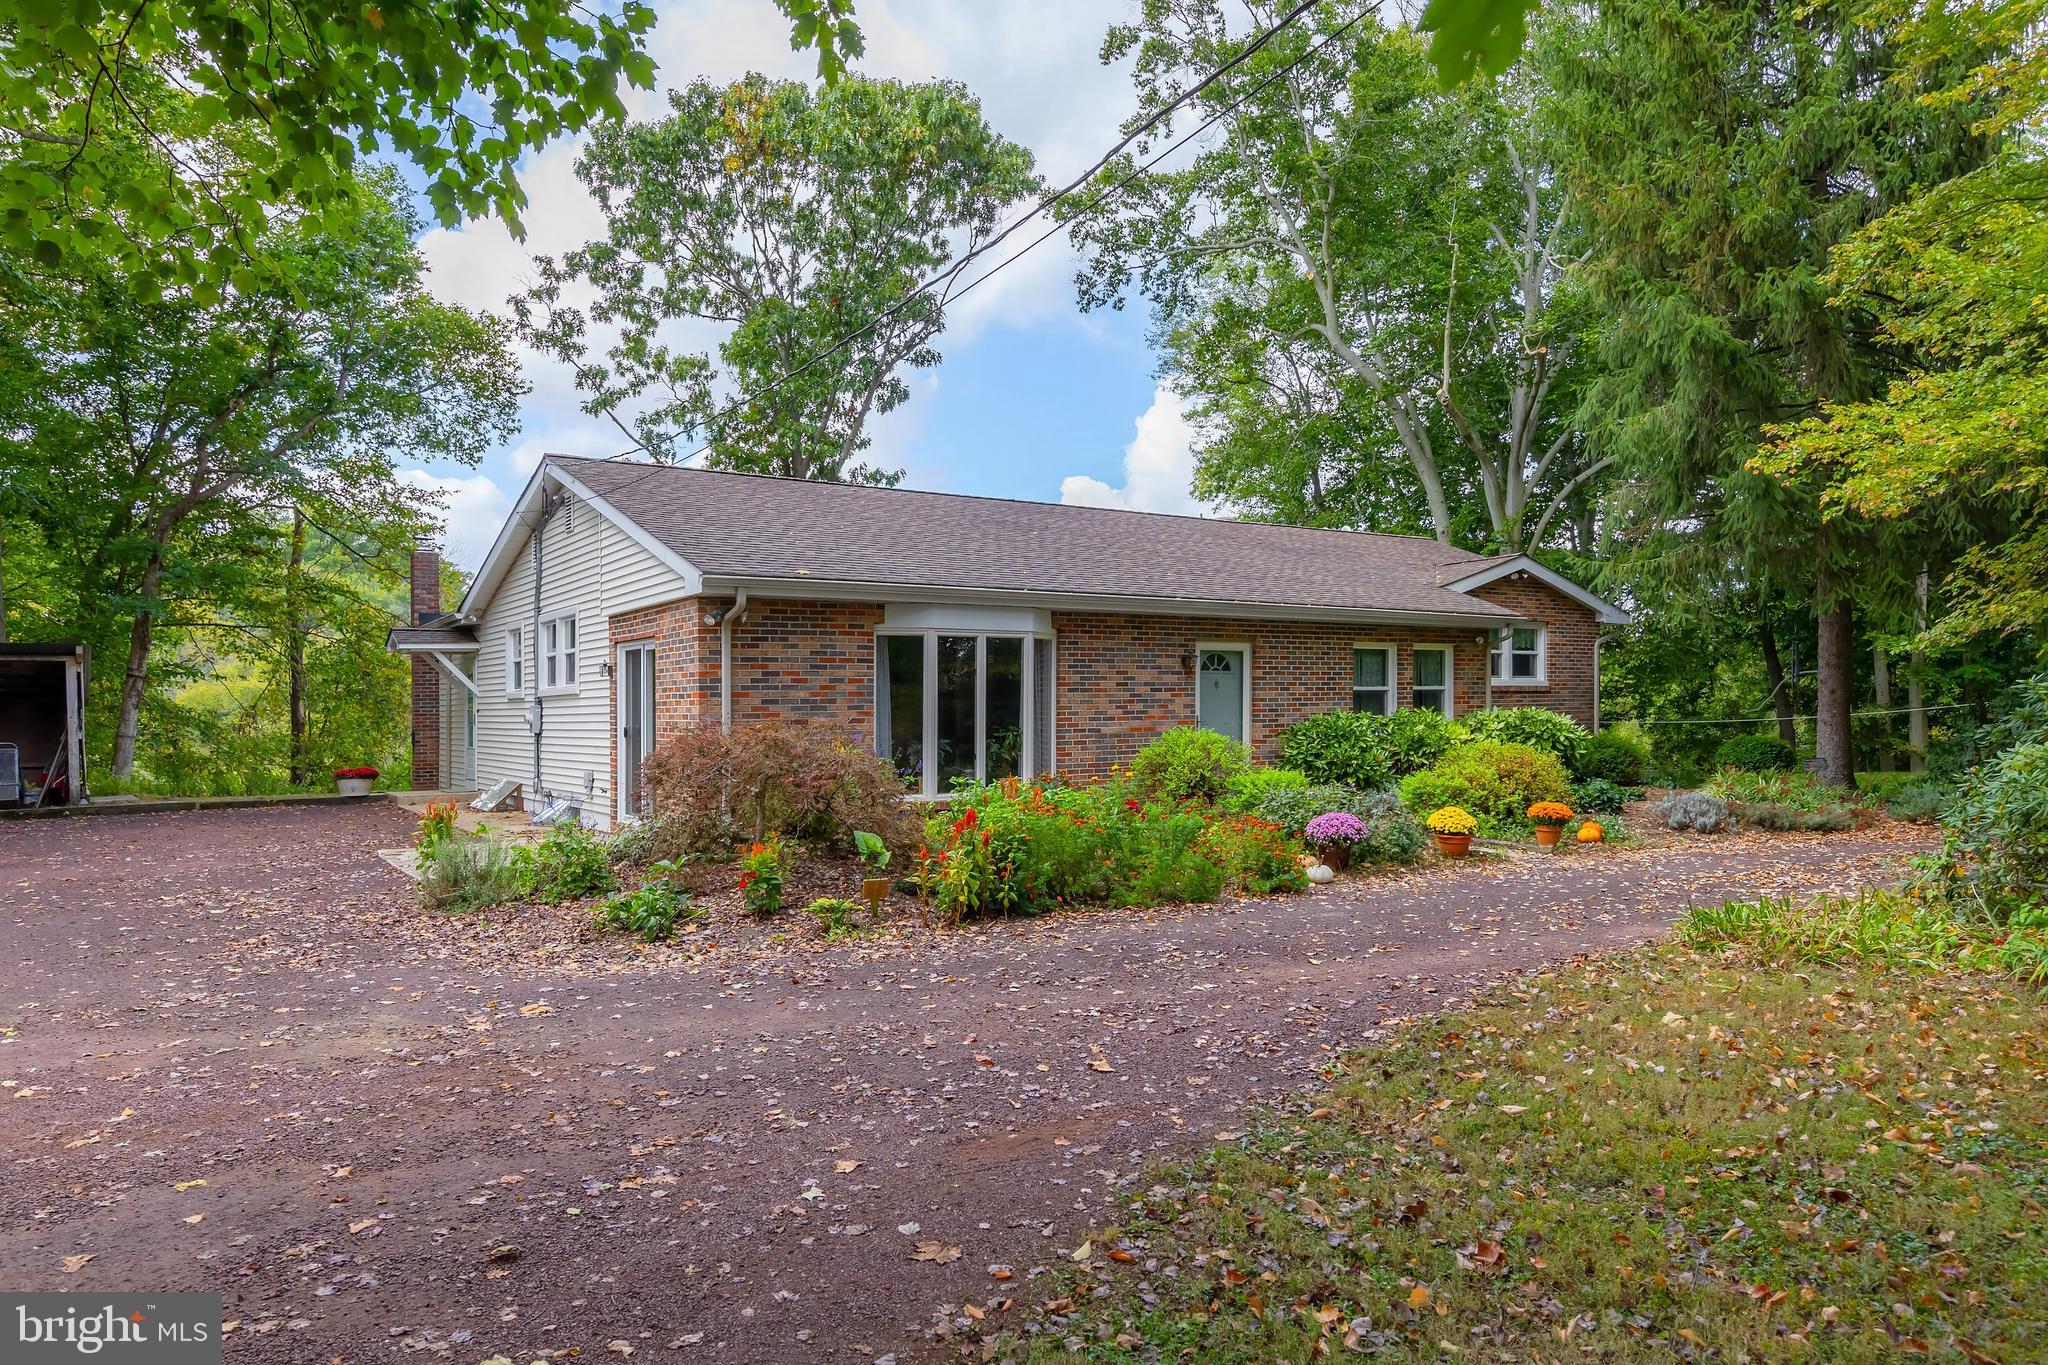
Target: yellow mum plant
{"x":1452,"y":820}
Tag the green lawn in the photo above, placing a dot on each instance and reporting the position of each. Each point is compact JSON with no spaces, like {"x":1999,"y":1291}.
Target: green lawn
{"x":1673,"y":1154}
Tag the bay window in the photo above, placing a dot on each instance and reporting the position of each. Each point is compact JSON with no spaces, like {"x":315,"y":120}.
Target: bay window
{"x":953,"y":706}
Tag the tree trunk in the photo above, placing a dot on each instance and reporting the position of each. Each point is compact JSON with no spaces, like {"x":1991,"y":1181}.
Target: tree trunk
{"x":1833,"y":742}
{"x":1774,"y":673}
{"x":1881,"y":680}
{"x":136,"y":679}
{"x":295,"y":648}
{"x":1916,"y":700}
{"x":3,"y":583}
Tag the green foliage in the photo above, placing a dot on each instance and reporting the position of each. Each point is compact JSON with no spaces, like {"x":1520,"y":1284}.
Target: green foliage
{"x":1781,"y":801}
{"x":1755,"y":754}
{"x":1250,"y":787}
{"x":1551,"y":731}
{"x":1345,"y":747}
{"x":797,"y":216}
{"x":652,"y":911}
{"x":1921,"y":801}
{"x":1495,"y":780}
{"x":161,"y":139}
{"x":1599,"y":796}
{"x":1189,"y":764}
{"x":1414,"y":737}
{"x":762,"y":868}
{"x":1885,"y":928}
{"x":1994,"y":859}
{"x":1391,"y":835}
{"x":231,"y":522}
{"x":836,"y":918}
{"x":1010,"y":848}
{"x":1614,"y":756}
{"x":436,"y":827}
{"x":1258,"y":858}
{"x":871,"y":850}
{"x":570,"y":863}
{"x":1359,"y":238}
{"x":472,"y":873}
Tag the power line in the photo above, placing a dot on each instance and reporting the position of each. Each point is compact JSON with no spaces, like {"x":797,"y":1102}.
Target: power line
{"x":954,"y":270}
{"x":1773,"y":720}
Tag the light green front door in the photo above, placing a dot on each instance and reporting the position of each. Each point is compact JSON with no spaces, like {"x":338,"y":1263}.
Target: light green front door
{"x":1219,"y":701}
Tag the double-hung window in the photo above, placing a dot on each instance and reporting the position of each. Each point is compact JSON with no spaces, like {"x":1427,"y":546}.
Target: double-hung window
{"x":515,"y":661}
{"x":1433,"y":678}
{"x":953,"y":707}
{"x":558,"y":654}
{"x":1372,"y":680}
{"x":1518,"y":657}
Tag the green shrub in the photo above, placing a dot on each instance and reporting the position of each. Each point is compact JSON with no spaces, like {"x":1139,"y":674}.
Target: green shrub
{"x":1794,"y":790}
{"x":1257,"y":857}
{"x":652,"y":911}
{"x":1345,"y":747}
{"x":1614,"y":756}
{"x":1598,"y":796}
{"x":1553,"y":732}
{"x":1496,"y":781}
{"x":1252,"y":786}
{"x":1189,"y":764}
{"x":1755,"y":754}
{"x":1700,"y":812}
{"x":1994,"y":860}
{"x":1008,"y":848}
{"x":1920,"y":801}
{"x":1391,"y":836}
{"x":1413,"y":738}
{"x":472,"y":873}
{"x":569,"y":863}
{"x":836,"y":918}
{"x":762,"y":868}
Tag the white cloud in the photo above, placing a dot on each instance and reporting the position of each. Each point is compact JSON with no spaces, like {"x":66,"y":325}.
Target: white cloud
{"x":473,"y":508}
{"x":1159,"y":465}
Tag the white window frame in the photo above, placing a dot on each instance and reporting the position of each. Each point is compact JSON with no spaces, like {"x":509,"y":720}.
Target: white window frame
{"x":515,"y":661}
{"x":1393,"y":683}
{"x":928,"y":779}
{"x":549,"y":656}
{"x":1503,"y":651}
{"x":1449,"y":684}
{"x":1244,"y":651}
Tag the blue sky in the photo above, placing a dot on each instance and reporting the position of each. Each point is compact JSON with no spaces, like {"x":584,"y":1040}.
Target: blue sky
{"x":1033,"y":399}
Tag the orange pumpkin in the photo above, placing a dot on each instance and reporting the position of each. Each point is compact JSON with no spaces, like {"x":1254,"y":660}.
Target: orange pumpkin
{"x":1591,"y":833}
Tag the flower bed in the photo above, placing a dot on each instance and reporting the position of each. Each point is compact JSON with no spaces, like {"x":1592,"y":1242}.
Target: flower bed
{"x":1017,"y":848}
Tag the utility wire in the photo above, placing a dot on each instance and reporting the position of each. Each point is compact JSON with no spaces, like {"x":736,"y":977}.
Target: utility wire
{"x":954,"y":270}
{"x":1773,"y":720}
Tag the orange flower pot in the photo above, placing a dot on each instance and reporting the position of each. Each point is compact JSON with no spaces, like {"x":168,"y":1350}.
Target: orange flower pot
{"x":1454,"y":845}
{"x":1547,"y":835}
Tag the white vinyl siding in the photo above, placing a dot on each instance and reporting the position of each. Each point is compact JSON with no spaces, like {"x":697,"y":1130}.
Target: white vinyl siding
{"x":590,"y":572}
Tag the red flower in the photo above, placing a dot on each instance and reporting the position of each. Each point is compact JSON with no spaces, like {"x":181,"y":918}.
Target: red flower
{"x":1131,"y":804}
{"x":746,"y":880}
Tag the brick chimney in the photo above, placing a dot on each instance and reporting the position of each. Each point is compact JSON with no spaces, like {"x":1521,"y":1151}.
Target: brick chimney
{"x":426,"y":675}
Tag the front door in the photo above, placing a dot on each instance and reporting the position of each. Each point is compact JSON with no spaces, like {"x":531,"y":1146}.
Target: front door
{"x":1219,"y":703}
{"x":635,"y":700}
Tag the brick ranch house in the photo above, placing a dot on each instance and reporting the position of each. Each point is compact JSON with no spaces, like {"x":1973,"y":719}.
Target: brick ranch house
{"x":962,"y":636}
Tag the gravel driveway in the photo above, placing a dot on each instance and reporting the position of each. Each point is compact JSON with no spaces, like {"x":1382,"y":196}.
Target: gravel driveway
{"x":239,"y":1060}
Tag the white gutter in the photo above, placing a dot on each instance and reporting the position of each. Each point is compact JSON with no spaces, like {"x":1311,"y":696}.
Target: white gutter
{"x":725,"y":620}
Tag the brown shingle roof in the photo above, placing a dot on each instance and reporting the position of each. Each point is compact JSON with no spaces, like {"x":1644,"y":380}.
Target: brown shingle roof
{"x":755,"y":526}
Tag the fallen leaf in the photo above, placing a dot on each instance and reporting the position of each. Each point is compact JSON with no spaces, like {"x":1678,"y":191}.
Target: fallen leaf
{"x":536,"y":1008}
{"x":184,"y":1185}
{"x":194,"y":1217}
{"x":1418,"y":1297}
{"x":845,"y":1167}
{"x":362,"y":1225}
{"x":73,"y":1264}
{"x":1099,"y":1065}
{"x":937,"y":1252}
{"x":1084,"y":1251}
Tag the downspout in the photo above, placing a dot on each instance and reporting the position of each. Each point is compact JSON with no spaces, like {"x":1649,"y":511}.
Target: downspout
{"x":732,"y":613}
